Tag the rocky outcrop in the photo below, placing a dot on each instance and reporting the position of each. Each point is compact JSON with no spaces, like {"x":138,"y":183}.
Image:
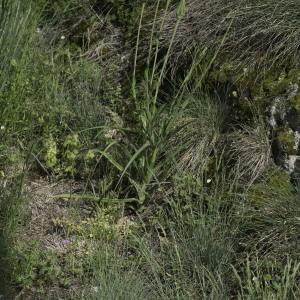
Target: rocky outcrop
{"x":284,"y":120}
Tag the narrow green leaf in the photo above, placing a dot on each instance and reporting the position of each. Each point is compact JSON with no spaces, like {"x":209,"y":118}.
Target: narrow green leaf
{"x":133,"y":158}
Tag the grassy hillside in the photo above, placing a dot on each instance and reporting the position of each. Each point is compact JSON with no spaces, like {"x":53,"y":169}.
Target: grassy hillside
{"x":149,"y":150}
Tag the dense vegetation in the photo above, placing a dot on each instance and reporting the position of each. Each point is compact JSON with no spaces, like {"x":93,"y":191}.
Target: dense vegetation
{"x":149,"y":149}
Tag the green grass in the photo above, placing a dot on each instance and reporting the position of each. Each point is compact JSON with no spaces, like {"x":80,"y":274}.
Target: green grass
{"x":270,"y":282}
{"x":174,"y":200}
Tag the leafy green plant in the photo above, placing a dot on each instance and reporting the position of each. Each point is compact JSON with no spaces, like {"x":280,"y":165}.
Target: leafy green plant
{"x":153,"y":119}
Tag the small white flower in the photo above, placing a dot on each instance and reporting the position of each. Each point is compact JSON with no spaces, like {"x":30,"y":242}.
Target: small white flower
{"x":208,"y":180}
{"x":62,"y":37}
{"x":38,"y":30}
{"x":2,"y":127}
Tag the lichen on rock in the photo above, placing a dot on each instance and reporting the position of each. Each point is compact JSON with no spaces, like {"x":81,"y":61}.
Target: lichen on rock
{"x":284,"y":120}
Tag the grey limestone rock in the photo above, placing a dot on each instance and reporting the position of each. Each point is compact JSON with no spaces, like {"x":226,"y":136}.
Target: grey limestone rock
{"x":284,"y":121}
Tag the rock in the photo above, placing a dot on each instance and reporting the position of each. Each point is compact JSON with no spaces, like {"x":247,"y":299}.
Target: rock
{"x":284,"y":120}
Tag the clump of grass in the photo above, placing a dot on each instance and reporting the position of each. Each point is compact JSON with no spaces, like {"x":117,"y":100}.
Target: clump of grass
{"x":18,"y":21}
{"x":145,"y":150}
{"x":86,"y":30}
{"x":260,"y":32}
{"x":250,"y":149}
{"x":116,"y":279}
{"x":13,"y":204}
{"x":271,"y":223}
{"x":196,"y":133}
{"x":157,"y":114}
{"x":187,"y":257}
{"x":200,"y":252}
{"x":270,"y":281}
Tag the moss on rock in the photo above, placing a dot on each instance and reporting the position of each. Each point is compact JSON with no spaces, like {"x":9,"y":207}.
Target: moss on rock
{"x":285,"y":137}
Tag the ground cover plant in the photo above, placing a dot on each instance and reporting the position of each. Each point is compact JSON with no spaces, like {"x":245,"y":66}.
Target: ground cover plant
{"x":149,"y":150}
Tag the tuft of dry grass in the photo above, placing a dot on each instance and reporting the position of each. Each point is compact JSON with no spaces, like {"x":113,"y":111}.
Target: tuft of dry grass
{"x":257,"y":32}
{"x":251,"y":151}
{"x":196,"y":133}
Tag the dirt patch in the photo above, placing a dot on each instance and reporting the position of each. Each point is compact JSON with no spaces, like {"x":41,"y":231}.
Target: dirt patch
{"x":45,"y":206}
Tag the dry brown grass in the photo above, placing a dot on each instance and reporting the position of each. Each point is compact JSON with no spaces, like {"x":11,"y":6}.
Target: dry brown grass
{"x":259,"y":31}
{"x":250,"y":150}
{"x":196,"y":133}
